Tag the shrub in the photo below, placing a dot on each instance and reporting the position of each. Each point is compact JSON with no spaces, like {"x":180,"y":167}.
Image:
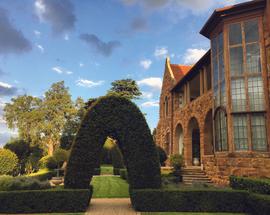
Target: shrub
{"x":116,"y":171}
{"x":123,"y":174}
{"x":162,"y":155}
{"x":8,"y":161}
{"x":45,"y":201}
{"x":8,"y":183}
{"x":51,"y":163}
{"x":254,"y":185}
{"x":42,"y":163}
{"x":117,"y":158}
{"x":259,"y":204}
{"x":176,"y":161}
{"x":122,"y":120}
{"x":97,"y":171}
{"x":199,"y":200}
{"x":60,"y":156}
{"x":43,"y":174}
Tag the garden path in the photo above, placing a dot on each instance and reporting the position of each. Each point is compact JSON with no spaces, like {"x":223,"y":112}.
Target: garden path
{"x":112,"y":206}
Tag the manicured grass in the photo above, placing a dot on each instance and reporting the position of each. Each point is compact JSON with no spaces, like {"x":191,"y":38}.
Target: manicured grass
{"x":109,"y":187}
{"x":186,"y":213}
{"x":106,"y":170}
{"x":60,"y":214}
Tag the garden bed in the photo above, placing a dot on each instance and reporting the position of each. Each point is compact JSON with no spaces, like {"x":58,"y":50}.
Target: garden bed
{"x":45,"y":201}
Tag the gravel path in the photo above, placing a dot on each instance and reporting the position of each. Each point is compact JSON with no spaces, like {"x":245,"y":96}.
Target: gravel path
{"x":120,"y":206}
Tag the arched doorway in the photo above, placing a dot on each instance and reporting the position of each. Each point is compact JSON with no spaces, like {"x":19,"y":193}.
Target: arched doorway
{"x":179,"y":138}
{"x":194,"y":132}
{"x":208,"y":134}
{"x":167,"y":143}
{"x":111,"y":116}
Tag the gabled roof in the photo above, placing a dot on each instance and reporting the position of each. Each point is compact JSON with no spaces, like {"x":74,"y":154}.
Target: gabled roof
{"x":219,"y":14}
{"x":206,"y":59}
{"x":179,"y":70}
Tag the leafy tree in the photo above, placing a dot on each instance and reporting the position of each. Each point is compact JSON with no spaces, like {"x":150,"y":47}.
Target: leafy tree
{"x":72,"y":125}
{"x":22,"y":113}
{"x":126,"y":88}
{"x":8,"y":161}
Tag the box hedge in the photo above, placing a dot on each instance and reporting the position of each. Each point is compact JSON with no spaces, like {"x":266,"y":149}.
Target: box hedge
{"x":253,"y":185}
{"x":112,"y":116}
{"x":43,"y":174}
{"x":123,"y":174}
{"x":190,"y":200}
{"x":45,"y":201}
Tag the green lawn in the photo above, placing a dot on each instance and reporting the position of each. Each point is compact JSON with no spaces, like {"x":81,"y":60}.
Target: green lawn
{"x":109,"y":187}
{"x":186,"y":213}
{"x":106,"y":170}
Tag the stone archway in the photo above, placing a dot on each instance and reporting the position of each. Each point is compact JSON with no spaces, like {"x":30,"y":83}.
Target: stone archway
{"x":120,"y":119}
{"x":179,"y":138}
{"x":194,"y":138}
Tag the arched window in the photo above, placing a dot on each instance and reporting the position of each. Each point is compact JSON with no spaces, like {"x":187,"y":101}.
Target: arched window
{"x":220,"y":129}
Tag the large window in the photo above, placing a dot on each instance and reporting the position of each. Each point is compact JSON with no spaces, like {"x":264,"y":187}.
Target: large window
{"x":220,"y":123}
{"x":247,"y":94}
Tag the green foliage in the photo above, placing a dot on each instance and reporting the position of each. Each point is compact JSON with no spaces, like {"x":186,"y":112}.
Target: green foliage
{"x":176,"y":161}
{"x":43,"y":174}
{"x":8,"y":161}
{"x":111,"y":116}
{"x":123,"y":174}
{"x":253,"y":185}
{"x":193,"y":200}
{"x":117,"y":158}
{"x":51,"y":163}
{"x":97,"y":171}
{"x":42,"y":163}
{"x":45,"y":201}
{"x":60,"y":156}
{"x":126,"y":88}
{"x":259,"y":204}
{"x":8,"y":183}
{"x":162,"y":155}
{"x":42,"y":121}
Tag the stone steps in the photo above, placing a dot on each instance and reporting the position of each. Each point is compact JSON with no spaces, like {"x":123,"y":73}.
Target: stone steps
{"x":194,"y":174}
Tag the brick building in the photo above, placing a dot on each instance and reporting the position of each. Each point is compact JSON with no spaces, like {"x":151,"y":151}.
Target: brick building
{"x":217,"y":112}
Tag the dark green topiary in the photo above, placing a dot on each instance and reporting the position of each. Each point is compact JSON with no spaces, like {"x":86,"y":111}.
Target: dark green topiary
{"x":120,"y":119}
{"x":8,"y":161}
{"x":162,"y":155}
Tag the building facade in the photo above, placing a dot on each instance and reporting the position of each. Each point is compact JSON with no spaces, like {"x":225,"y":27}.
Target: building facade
{"x":217,"y":112}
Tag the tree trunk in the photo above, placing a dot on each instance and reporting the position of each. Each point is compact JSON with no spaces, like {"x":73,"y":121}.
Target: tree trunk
{"x":50,"y":147}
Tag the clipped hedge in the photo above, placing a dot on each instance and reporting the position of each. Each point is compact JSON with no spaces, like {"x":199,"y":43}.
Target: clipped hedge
{"x":8,"y":161}
{"x":116,"y":171}
{"x":45,"y":201}
{"x":189,"y":200}
{"x":97,"y":171}
{"x":200,"y":200}
{"x":254,"y":185}
{"x":112,"y":116}
{"x":123,"y":174}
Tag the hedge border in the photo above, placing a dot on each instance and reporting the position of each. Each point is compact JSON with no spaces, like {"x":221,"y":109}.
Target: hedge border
{"x":199,"y":200}
{"x":45,"y":201}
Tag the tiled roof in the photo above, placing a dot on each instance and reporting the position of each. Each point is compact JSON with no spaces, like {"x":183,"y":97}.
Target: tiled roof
{"x":179,"y":70}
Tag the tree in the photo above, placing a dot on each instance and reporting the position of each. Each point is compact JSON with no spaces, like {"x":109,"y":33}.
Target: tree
{"x":57,"y":109}
{"x":23,"y":113}
{"x":42,"y":121}
{"x":8,"y":161}
{"x":73,"y":124}
{"x":126,"y":88}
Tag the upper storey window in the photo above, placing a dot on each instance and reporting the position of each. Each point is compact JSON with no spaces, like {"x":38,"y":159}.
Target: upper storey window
{"x":245,"y":67}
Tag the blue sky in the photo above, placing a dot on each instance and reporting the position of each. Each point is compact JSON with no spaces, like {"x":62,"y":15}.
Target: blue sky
{"x":89,"y":44}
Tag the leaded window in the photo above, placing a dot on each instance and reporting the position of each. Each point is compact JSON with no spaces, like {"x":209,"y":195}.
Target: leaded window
{"x":220,"y":123}
{"x":247,"y":92}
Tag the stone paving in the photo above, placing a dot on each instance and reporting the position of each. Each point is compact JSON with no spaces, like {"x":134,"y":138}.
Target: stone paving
{"x":114,"y":206}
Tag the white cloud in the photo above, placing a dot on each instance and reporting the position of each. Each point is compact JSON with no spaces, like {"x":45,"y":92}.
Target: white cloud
{"x":147,"y":95}
{"x":40,"y":47}
{"x":191,"y":56}
{"x":88,"y":83}
{"x":61,"y":70}
{"x":37,"y":33}
{"x":66,"y":37}
{"x":145,"y":63}
{"x":161,"y":52}
{"x":5,"y":85}
{"x":81,"y":64}
{"x":153,"y":82}
{"x":150,"y":104}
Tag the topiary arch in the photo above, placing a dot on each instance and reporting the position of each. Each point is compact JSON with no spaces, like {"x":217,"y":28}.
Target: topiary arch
{"x":120,"y":119}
